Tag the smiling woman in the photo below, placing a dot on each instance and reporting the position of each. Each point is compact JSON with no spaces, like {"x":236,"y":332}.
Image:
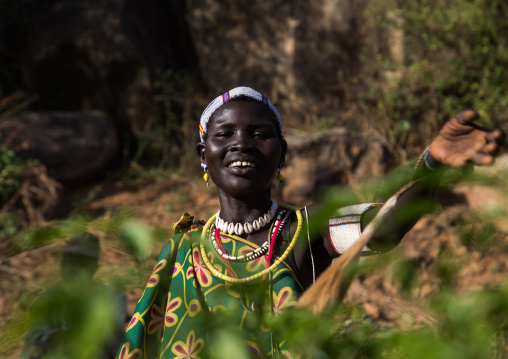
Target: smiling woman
{"x":255,"y":256}
{"x":242,"y":150}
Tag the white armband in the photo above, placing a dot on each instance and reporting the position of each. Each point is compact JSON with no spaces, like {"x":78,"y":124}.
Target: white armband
{"x":346,"y":226}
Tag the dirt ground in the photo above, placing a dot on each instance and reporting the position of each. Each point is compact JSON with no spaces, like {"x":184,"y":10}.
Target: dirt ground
{"x":27,"y":274}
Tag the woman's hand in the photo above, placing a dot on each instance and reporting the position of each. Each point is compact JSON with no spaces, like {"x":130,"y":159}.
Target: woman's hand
{"x":461,"y":141}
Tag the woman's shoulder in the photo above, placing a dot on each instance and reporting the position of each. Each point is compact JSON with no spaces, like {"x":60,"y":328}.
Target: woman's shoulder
{"x":187,"y":223}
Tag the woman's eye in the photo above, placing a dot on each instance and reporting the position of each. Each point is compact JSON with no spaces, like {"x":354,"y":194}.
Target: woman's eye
{"x":221,"y":134}
{"x":261,"y":134}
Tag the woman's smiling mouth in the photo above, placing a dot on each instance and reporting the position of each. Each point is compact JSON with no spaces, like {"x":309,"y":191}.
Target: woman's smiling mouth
{"x":242,"y":164}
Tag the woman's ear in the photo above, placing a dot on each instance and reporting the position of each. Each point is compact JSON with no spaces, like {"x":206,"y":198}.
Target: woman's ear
{"x":200,"y":148}
{"x":284,"y":146}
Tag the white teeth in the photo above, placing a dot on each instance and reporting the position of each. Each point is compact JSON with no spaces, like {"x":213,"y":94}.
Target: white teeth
{"x":241,"y":164}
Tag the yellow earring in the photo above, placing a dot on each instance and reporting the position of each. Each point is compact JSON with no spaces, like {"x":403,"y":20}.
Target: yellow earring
{"x":280,"y":177}
{"x":206,"y":177}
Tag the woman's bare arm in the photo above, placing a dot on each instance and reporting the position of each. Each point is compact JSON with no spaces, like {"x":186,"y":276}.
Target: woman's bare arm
{"x":459,"y":143}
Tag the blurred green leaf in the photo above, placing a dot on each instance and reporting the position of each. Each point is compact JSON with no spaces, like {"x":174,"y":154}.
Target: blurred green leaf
{"x":137,"y":237}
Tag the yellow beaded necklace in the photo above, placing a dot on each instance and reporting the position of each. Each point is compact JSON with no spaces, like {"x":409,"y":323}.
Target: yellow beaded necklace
{"x":270,"y":269}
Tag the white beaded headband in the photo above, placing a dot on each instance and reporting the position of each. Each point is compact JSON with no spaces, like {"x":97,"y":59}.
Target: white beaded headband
{"x":231,"y":94}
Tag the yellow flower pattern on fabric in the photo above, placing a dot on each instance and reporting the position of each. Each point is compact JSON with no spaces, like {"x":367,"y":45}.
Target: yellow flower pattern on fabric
{"x":194,"y":307}
{"x":171,"y":318}
{"x":156,"y":325}
{"x":134,"y":320}
{"x":282,"y":300}
{"x":125,"y":354}
{"x":190,"y":349}
{"x":176,"y":269}
{"x":255,"y":264}
{"x":154,"y":278}
{"x":200,"y":271}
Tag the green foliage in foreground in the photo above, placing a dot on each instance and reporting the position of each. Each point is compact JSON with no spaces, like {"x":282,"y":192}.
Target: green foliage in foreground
{"x":465,"y":324}
{"x":470,"y":325}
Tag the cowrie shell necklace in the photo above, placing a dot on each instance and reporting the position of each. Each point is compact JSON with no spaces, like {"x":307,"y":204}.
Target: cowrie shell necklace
{"x":248,"y":227}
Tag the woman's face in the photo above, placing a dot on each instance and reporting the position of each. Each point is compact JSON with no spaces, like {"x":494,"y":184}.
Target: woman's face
{"x":242,"y":150}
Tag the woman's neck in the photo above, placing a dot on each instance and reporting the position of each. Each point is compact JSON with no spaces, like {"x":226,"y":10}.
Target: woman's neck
{"x":244,"y":209}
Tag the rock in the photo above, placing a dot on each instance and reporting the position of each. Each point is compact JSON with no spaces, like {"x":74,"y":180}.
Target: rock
{"x":301,"y":55}
{"x":105,"y":55}
{"x":144,"y":63}
{"x":72,"y":145}
{"x":338,"y":156}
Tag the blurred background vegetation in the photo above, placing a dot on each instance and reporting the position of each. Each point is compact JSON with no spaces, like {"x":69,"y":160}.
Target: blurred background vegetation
{"x":396,"y":70}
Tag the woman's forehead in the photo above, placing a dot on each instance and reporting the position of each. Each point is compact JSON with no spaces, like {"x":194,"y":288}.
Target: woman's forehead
{"x":241,"y":112}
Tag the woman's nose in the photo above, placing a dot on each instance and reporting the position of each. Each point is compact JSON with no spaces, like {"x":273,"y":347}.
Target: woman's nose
{"x":241,"y":141}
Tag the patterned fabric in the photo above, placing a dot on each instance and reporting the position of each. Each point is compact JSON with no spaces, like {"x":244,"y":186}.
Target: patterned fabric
{"x":182,"y":300}
{"x":222,"y":99}
{"x":345,"y":227}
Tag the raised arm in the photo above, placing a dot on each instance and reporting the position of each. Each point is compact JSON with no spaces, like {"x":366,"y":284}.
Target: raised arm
{"x":459,"y":142}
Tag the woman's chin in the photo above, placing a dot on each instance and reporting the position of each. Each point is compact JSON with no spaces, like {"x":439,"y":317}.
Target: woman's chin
{"x":242,"y":187}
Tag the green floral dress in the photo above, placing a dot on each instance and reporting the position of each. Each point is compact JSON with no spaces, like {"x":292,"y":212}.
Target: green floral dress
{"x":183,"y":302}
